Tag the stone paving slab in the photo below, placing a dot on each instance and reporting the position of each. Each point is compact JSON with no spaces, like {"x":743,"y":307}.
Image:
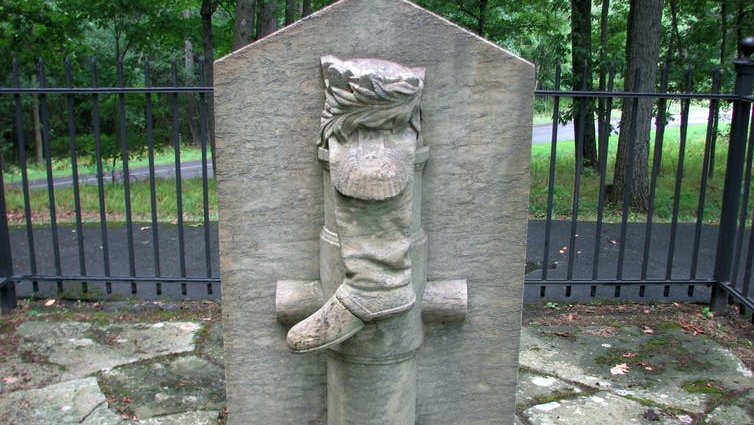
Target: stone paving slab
{"x":167,"y":386}
{"x":602,"y":407}
{"x":660,"y":363}
{"x":204,"y":417}
{"x":171,"y":373}
{"x":81,"y":349}
{"x":78,"y":401}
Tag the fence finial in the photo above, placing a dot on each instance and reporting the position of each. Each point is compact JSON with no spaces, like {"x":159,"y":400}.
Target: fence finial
{"x":747,"y":46}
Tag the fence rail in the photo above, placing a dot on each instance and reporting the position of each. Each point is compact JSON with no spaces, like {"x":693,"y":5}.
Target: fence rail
{"x":155,"y":235}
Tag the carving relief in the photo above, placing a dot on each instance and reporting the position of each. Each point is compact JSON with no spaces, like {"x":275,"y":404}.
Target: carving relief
{"x":367,"y":306}
{"x":371,"y":126}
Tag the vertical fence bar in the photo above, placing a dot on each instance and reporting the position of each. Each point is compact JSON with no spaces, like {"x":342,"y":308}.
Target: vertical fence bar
{"x":744,"y":206}
{"x":126,"y":175}
{"x":46,"y":142}
{"x":152,"y":188}
{"x":205,"y":180}
{"x":100,"y":180}
{"x":24,"y":176}
{"x":7,"y":287}
{"x":551,"y":180}
{"x":707,"y":164}
{"x":685,"y":105}
{"x":75,"y":173}
{"x":748,"y":265}
{"x":178,"y":181}
{"x":734,"y":172}
{"x":605,"y":144}
{"x":579,"y":155}
{"x":660,"y":124}
{"x":629,"y":179}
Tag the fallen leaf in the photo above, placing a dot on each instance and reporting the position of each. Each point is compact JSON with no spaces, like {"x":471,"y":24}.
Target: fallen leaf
{"x":647,"y":330}
{"x":145,"y":228}
{"x":48,"y":303}
{"x":649,"y":368}
{"x":10,"y":380}
{"x":620,"y":369}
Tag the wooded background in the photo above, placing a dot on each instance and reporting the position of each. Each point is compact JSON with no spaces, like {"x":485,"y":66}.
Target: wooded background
{"x":586,"y":36}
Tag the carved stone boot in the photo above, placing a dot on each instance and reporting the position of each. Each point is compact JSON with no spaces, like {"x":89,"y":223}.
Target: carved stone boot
{"x":370,"y":127}
{"x":329,"y":325}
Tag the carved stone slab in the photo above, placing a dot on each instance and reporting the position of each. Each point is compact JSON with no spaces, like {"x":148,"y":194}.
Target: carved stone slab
{"x":477,"y":108}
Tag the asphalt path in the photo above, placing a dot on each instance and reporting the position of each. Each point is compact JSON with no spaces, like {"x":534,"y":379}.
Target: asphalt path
{"x":678,"y":262}
{"x":541,"y":133}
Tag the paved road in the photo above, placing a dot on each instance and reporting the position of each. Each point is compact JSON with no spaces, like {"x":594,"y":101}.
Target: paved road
{"x":558,"y":262}
{"x":542,"y":133}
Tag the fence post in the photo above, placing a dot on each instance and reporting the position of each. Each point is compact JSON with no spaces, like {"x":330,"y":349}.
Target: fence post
{"x":733,"y":174}
{"x":7,"y":288}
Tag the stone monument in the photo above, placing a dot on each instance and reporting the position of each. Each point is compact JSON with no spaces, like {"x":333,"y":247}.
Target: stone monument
{"x":373,"y":182}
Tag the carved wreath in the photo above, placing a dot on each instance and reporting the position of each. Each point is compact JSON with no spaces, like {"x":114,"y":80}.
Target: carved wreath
{"x":387,"y":105}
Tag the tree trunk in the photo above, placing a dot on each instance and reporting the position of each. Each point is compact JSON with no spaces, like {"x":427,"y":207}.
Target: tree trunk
{"x":208,"y":49}
{"x":482,"y":14}
{"x":740,"y":18}
{"x":267,"y":21}
{"x":306,"y":9}
{"x":724,"y":27}
{"x":38,"y":148}
{"x":243,"y":25}
{"x":291,"y":7}
{"x":191,"y":115}
{"x":678,"y":43}
{"x":642,"y":52}
{"x":581,"y":53}
{"x":604,"y":66}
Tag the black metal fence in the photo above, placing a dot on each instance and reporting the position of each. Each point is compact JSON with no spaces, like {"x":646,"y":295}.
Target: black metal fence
{"x":149,"y":230}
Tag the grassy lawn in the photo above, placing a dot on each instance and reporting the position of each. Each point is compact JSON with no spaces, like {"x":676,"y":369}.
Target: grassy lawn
{"x":589,"y":194}
{"x":87,"y":166}
{"x":563,"y":189}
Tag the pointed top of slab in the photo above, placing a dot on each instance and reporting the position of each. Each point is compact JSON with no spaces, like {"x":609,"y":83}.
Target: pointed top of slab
{"x":370,"y":25}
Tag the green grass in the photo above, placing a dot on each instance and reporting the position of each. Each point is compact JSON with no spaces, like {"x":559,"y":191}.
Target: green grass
{"x":167,"y":208}
{"x":562,"y":200}
{"x":61,"y":167}
{"x":589,"y":190}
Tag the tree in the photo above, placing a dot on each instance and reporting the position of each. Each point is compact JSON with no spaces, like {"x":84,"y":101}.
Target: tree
{"x":581,"y":54}
{"x":31,"y":30}
{"x":642,"y":53}
{"x":244,"y":23}
{"x":207,"y":9}
{"x":267,"y":20}
{"x":306,"y":8}
{"x":291,"y":10}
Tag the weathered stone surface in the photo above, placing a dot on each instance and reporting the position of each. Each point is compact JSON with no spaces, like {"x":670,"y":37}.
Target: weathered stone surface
{"x":168,"y":386}
{"x":600,"y":408}
{"x":533,"y":387}
{"x":210,"y":345}
{"x":81,"y":349}
{"x":477,"y":121}
{"x":72,"y":402}
{"x":669,"y":359}
{"x":202,"y":417}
